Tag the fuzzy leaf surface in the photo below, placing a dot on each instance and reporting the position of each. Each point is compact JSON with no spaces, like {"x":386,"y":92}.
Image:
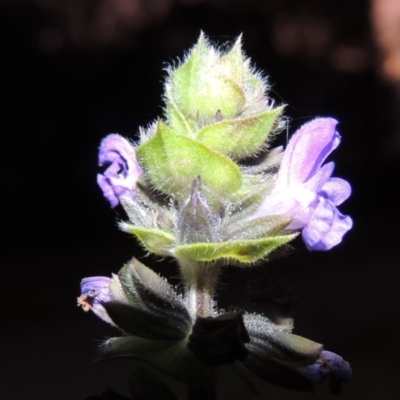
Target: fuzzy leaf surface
{"x":128,"y":286}
{"x":276,"y":343}
{"x":176,"y":120}
{"x":258,"y":227}
{"x":243,"y":251}
{"x":240,"y":137}
{"x":142,"y":323}
{"x":184,"y":79}
{"x":205,"y":83}
{"x":173,"y":161}
{"x":117,"y":292}
{"x":156,"y":241}
{"x":145,"y":289}
{"x":159,"y":297}
{"x":287,"y":349}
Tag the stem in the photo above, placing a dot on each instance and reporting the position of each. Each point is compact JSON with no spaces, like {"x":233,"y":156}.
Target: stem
{"x":200,"y":279}
{"x":200,"y":298}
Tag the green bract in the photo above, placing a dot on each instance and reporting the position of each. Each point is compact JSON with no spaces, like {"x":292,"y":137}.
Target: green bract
{"x":242,"y":251}
{"x":173,"y":161}
{"x":240,"y":137}
{"x":153,"y":240}
{"x":207,"y":82}
{"x":217,"y":114}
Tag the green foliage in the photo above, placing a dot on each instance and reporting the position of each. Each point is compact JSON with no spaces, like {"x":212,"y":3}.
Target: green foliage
{"x":173,"y":161}
{"x":242,"y":251}
{"x":240,"y":137}
{"x":207,"y":83}
{"x":156,"y":241}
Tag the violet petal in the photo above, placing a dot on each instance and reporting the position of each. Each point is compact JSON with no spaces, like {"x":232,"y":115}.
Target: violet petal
{"x":328,"y":364}
{"x":337,"y":190}
{"x":94,"y":292}
{"x":96,"y":287}
{"x":305,"y":190}
{"x":122,"y":172}
{"x":326,"y":226}
{"x":318,"y":180}
{"x":308,"y":149}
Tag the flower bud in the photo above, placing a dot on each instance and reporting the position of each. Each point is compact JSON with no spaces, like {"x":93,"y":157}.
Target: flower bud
{"x":122,"y":170}
{"x":195,"y":220}
{"x":94,"y":292}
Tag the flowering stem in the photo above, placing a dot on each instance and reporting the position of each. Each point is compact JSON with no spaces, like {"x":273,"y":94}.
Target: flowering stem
{"x":200,"y":279}
{"x":200,"y":299}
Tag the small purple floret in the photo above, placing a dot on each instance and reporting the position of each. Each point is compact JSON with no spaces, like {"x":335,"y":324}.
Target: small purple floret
{"x":94,"y":292}
{"x":122,"y":172}
{"x":328,"y":364}
{"x":305,"y":190}
{"x":97,"y":288}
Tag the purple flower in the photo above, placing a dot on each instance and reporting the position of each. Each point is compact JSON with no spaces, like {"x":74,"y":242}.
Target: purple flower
{"x":94,"y":292}
{"x":122,"y":172}
{"x":328,"y":364}
{"x":305,"y":190}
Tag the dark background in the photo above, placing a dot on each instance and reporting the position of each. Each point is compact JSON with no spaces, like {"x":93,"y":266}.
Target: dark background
{"x":74,"y":71}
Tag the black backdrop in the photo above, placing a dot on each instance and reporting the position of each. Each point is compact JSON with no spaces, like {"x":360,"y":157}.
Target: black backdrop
{"x":64,"y":87}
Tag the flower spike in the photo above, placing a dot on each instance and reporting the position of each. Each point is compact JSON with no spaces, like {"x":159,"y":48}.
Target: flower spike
{"x":214,"y":192}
